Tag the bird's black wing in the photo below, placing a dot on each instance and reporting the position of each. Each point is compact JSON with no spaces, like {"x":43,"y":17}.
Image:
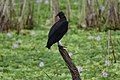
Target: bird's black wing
{"x":58,"y":27}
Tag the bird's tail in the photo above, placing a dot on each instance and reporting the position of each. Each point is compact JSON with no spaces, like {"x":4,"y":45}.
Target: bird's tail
{"x":48,"y":46}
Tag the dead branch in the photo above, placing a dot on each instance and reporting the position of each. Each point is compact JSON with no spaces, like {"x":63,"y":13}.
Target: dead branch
{"x":20,"y":19}
{"x":29,"y":21}
{"x":69,"y":63}
{"x":38,"y":12}
{"x":68,"y":9}
{"x":110,"y":43}
{"x":56,"y":9}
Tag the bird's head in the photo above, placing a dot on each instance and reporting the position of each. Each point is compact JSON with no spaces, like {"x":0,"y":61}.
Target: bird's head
{"x":61,"y":15}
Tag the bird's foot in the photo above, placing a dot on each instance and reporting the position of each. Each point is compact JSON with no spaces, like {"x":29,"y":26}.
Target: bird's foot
{"x":60,"y":45}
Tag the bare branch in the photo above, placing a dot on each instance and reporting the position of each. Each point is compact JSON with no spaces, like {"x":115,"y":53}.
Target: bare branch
{"x":69,"y":63}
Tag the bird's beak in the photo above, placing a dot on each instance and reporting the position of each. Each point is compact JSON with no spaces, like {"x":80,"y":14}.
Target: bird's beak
{"x":56,"y":15}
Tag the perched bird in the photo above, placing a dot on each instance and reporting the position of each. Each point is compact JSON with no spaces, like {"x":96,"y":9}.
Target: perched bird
{"x":58,"y":30}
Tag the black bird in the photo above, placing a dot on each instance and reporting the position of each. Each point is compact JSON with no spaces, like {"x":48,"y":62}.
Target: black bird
{"x":58,"y":30}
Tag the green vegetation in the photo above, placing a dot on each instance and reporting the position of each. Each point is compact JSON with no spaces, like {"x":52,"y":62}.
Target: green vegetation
{"x":23,"y":62}
{"x":21,"y":55}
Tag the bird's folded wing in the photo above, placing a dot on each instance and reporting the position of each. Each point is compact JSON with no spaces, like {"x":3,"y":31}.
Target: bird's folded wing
{"x":59,"y":27}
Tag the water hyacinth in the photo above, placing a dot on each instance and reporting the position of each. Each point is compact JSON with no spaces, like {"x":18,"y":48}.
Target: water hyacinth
{"x":107,"y":62}
{"x":90,"y":37}
{"x":102,"y":8}
{"x":46,"y":2}
{"x":75,"y":3}
{"x":15,"y":45}
{"x":70,"y":54}
{"x":38,"y":1}
{"x":108,"y":12}
{"x":9,"y":34}
{"x":41,"y":64}
{"x":32,"y":33}
{"x":47,"y":22}
{"x":20,"y":41}
{"x":98,"y":38}
{"x":105,"y":74}
{"x":80,"y":69}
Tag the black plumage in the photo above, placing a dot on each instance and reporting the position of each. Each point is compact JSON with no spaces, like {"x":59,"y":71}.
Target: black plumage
{"x":58,"y":30}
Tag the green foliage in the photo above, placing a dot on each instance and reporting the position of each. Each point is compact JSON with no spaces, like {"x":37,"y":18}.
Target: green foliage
{"x":23,"y":62}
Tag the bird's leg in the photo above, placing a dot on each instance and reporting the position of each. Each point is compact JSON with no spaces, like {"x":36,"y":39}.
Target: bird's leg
{"x":60,"y":44}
